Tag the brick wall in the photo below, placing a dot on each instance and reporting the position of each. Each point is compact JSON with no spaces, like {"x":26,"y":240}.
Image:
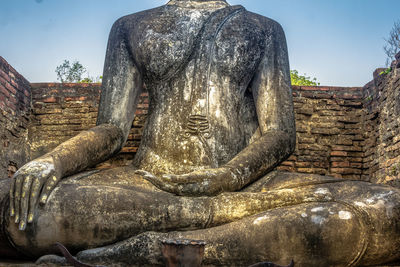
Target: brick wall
{"x":61,"y":111}
{"x":382,"y":128}
{"x":328,"y":125}
{"x":329,"y":131}
{"x":15,"y":99}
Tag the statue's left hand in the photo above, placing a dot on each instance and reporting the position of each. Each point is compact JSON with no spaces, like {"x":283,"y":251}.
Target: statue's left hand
{"x":32,"y":183}
{"x":206,"y":182}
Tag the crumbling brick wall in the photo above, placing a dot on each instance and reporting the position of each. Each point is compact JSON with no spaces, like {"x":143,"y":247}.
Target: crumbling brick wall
{"x":382,"y":127}
{"x":15,"y":100}
{"x":329,"y":131}
{"x":61,"y":111}
{"x":328,"y":125}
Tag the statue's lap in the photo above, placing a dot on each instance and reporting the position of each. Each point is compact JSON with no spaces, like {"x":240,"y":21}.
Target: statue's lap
{"x":100,"y":207}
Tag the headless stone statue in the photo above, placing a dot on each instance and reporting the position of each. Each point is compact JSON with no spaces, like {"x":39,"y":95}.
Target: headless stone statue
{"x":220,"y":120}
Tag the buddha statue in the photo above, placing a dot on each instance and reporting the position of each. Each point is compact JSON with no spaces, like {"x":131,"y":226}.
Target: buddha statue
{"x":220,"y":120}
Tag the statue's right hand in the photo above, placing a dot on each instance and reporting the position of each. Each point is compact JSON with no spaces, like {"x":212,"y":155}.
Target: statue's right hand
{"x":31,"y":184}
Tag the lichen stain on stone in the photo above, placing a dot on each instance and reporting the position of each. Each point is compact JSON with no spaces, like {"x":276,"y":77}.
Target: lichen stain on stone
{"x":322,"y":191}
{"x":360,"y":204}
{"x":345,"y":215}
{"x":317,"y":209}
{"x":318,"y":219}
{"x":381,"y":196}
{"x":260,"y":220}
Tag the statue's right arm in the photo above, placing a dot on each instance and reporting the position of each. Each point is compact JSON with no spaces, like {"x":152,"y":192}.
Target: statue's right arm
{"x":122,"y":84}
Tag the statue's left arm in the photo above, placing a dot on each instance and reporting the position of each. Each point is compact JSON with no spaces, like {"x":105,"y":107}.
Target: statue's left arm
{"x":272,"y":93}
{"x":271,"y":88}
{"x":122,"y":84}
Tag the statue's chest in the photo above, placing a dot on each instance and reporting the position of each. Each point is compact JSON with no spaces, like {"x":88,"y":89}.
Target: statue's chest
{"x":163,"y":47}
{"x":237,"y":50}
{"x":164,"y":43}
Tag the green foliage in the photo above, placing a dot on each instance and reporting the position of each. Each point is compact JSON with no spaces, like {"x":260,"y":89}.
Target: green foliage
{"x":67,"y":72}
{"x":387,"y":71}
{"x":368,"y":98}
{"x":88,"y":79}
{"x":72,"y":73}
{"x":302,"y":79}
{"x":395,"y":170}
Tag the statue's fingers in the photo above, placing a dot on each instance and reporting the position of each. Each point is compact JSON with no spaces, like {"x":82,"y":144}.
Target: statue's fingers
{"x":12,"y":197}
{"x":149,"y":175}
{"x":194,"y":183}
{"x":170,"y":178}
{"x":160,"y":183}
{"x":190,"y":189}
{"x":170,"y":188}
{"x":33,"y":198}
{"x":26,"y":189}
{"x":49,"y":185}
{"x":17,"y":196}
{"x":184,"y":179}
{"x":144,"y":173}
{"x":153,"y":179}
{"x":178,"y":179}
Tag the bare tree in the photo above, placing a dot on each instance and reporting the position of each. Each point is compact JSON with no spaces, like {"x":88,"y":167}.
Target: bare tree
{"x":392,"y":46}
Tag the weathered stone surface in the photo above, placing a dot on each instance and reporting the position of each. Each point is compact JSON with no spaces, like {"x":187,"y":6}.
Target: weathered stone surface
{"x":220,"y":118}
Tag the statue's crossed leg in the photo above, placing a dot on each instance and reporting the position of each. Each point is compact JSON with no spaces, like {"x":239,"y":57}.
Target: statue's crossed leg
{"x":303,"y":223}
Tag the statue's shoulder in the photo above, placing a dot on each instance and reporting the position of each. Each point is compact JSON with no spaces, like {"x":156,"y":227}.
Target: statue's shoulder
{"x":131,"y":21}
{"x":269,"y":25}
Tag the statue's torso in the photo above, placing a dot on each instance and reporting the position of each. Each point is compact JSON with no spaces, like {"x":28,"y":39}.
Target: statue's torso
{"x":201,"y":112}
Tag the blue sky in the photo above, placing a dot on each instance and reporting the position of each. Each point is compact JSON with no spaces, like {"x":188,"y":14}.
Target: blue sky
{"x":337,"y":41}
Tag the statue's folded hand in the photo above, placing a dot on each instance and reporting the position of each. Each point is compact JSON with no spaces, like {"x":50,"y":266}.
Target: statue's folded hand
{"x":206,"y":182}
{"x":32,"y":184}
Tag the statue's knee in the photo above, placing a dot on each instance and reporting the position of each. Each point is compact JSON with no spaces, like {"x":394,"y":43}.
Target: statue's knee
{"x":311,"y":234}
{"x":37,"y":239}
{"x":334,"y":231}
